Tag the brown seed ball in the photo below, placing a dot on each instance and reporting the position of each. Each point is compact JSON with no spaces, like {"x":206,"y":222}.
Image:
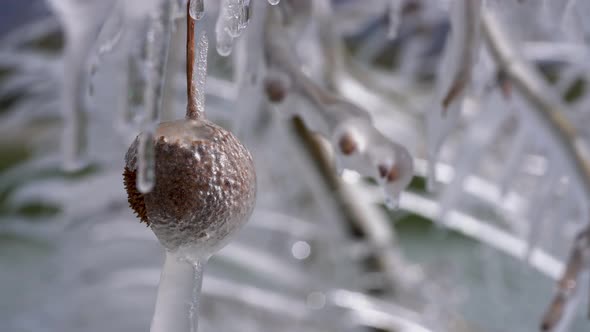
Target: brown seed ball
{"x":205,"y":185}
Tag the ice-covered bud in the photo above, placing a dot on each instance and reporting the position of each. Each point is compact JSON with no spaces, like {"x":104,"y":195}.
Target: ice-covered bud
{"x":205,"y":185}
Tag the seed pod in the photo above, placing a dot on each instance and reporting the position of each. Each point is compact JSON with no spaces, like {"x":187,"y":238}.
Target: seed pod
{"x":205,"y":185}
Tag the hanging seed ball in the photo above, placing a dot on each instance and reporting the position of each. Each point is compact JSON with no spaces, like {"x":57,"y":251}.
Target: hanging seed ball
{"x":205,"y":185}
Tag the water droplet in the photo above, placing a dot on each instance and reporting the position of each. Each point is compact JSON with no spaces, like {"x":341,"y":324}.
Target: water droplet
{"x":301,"y":250}
{"x":224,"y":43}
{"x":197,"y":9}
{"x":274,"y":2}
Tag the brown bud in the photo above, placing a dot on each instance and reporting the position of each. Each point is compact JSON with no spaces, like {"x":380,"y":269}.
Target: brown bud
{"x":276,"y":91}
{"x":390,"y":174}
{"x":205,"y":185}
{"x":347,"y":144}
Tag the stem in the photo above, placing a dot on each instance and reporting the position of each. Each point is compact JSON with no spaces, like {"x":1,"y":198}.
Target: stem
{"x":192,"y":112}
{"x":177,"y":304}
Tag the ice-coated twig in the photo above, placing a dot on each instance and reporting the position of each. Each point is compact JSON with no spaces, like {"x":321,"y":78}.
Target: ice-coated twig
{"x":196,"y":75}
{"x":568,"y":283}
{"x":464,"y":46}
{"x":158,"y":43}
{"x":357,"y":143}
{"x":548,"y":109}
{"x":455,"y":75}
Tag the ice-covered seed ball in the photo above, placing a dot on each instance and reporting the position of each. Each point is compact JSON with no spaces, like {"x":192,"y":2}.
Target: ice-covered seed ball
{"x":205,"y":185}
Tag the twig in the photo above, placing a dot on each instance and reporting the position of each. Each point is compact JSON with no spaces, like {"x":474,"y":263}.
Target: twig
{"x":192,"y":112}
{"x":549,"y":111}
{"x":465,"y":26}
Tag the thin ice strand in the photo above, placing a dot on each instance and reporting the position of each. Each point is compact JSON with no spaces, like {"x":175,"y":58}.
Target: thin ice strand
{"x":199,"y":76}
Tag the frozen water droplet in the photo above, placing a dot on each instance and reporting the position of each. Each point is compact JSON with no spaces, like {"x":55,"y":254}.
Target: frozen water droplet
{"x":274,"y":2}
{"x":197,"y":9}
{"x":224,"y":43}
{"x":146,"y":172}
{"x":301,"y":250}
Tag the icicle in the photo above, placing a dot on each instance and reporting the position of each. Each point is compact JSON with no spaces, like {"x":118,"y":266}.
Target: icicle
{"x":197,"y":9}
{"x":233,"y":19}
{"x":158,"y":40}
{"x":274,"y":2}
{"x":81,"y":22}
{"x":177,"y":303}
{"x":395,"y":13}
{"x":132,"y":98}
{"x":200,"y":73}
{"x":225,"y":43}
{"x":74,"y":141}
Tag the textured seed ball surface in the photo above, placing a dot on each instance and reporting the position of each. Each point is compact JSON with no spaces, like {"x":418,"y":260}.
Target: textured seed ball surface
{"x":205,"y":185}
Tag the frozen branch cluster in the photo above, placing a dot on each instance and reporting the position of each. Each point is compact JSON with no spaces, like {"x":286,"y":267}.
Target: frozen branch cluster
{"x":358,"y":145}
{"x":508,"y":88}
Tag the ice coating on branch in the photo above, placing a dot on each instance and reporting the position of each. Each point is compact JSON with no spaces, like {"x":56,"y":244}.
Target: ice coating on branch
{"x":395,"y":14}
{"x":462,"y":49}
{"x":357,"y":143}
{"x":200,"y":73}
{"x":232,"y":20}
{"x":158,"y":41}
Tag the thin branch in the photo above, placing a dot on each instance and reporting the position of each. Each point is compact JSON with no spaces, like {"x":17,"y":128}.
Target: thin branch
{"x":549,"y":110}
{"x":192,"y":112}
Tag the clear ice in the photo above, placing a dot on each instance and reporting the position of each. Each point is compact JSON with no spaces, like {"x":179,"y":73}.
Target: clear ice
{"x":200,"y":72}
{"x":158,"y":43}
